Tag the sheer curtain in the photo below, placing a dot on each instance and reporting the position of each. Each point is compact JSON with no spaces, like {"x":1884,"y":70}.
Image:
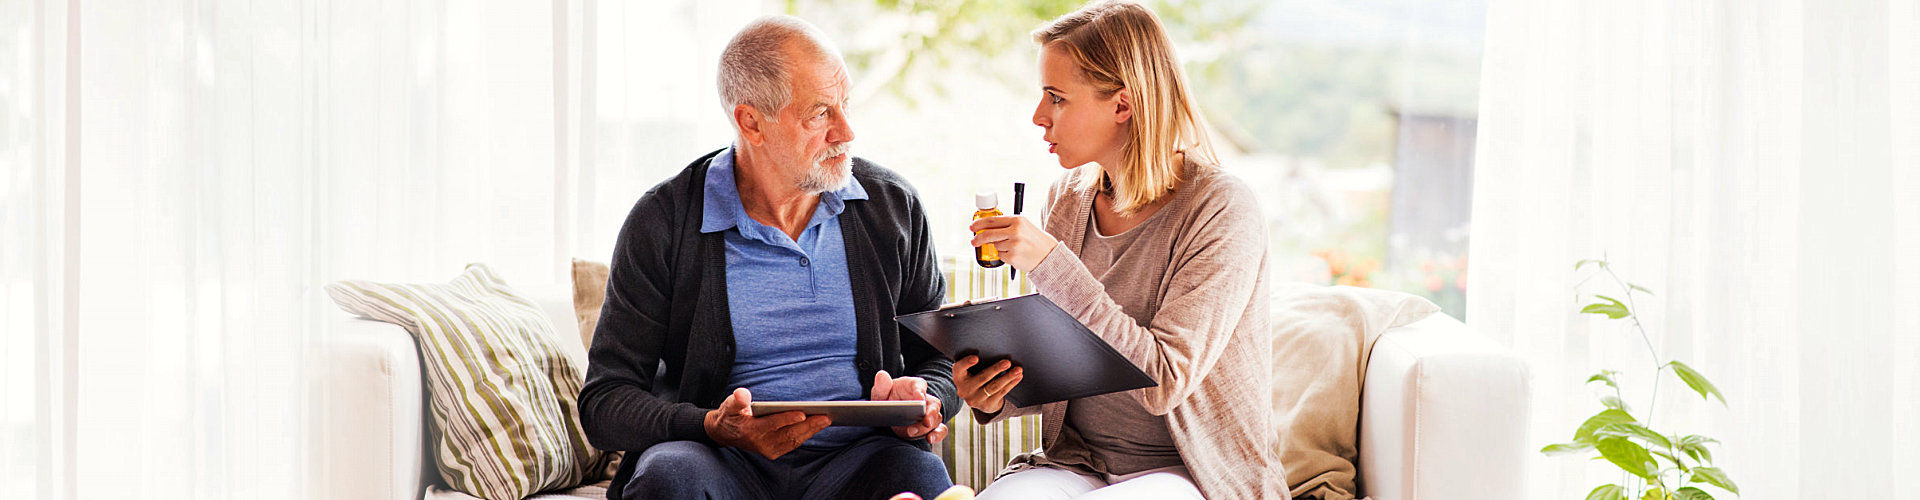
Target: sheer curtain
{"x":1756,"y":163}
{"x":640,"y":103}
{"x":182,"y":176}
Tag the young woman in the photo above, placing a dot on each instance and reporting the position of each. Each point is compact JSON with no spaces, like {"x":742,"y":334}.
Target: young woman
{"x":1161,"y":254}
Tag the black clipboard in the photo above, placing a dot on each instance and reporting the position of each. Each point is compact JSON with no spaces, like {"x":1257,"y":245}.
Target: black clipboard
{"x":1062,"y":359}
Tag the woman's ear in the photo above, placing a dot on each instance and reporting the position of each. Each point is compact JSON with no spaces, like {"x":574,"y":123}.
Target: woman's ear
{"x":1122,"y":106}
{"x":747,"y":119}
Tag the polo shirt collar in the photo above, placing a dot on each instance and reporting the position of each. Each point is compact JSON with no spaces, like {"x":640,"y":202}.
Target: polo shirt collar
{"x":721,"y":208}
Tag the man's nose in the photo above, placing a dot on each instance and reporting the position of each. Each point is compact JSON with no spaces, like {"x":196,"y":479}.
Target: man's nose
{"x":842,"y":130}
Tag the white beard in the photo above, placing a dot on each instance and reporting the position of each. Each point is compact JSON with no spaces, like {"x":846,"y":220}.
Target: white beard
{"x":822,"y":177}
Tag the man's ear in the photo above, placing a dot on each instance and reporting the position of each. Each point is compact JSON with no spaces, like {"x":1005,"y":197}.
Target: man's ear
{"x":748,"y":120}
{"x":1122,"y":106}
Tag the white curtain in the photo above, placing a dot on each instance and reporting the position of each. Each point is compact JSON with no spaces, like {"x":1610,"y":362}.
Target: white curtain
{"x":640,"y":103}
{"x":1755,"y":163}
{"x":180,"y":179}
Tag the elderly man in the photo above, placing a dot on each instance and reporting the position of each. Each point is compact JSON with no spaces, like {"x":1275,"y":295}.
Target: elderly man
{"x":770,"y":270}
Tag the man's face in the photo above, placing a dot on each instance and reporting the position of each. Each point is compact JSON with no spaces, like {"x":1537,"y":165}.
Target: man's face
{"x":811,"y":141}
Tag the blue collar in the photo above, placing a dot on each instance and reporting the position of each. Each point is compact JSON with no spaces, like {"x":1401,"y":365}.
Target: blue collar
{"x":721,"y":209}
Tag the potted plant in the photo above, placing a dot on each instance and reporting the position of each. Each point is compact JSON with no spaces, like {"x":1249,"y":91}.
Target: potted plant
{"x":1656,"y":465}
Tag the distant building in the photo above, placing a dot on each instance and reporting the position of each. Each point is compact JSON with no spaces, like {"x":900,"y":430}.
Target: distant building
{"x":1432,"y":200}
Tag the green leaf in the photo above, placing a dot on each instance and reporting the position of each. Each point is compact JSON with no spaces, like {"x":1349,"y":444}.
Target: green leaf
{"x":1654,"y":494}
{"x":1584,"y":262}
{"x":1608,"y":492}
{"x":1695,"y":446}
{"x":1635,"y":431}
{"x":1639,"y":288}
{"x":1605,"y":377}
{"x":1566,"y":448}
{"x":1713,"y":476}
{"x":1609,"y":416}
{"x":1614,"y":402}
{"x":1630,"y":456}
{"x":1676,"y":460}
{"x":1698,"y":382}
{"x":1612,"y":308}
{"x":1700,"y":453}
{"x":1697,"y":439}
{"x":1691,"y":493}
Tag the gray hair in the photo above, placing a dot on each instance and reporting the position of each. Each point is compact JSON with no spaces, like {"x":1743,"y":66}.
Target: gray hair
{"x":756,"y":68}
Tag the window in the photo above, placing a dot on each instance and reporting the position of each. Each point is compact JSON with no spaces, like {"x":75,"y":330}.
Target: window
{"x":1355,"y":118}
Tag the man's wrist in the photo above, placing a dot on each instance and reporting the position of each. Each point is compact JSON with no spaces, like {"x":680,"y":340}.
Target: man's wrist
{"x":709,"y":423}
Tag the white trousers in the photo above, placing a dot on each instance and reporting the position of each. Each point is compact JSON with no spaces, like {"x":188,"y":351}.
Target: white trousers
{"x":1055,"y":483}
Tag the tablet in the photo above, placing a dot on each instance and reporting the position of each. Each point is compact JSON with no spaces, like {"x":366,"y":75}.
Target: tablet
{"x":850,"y":413}
{"x":1061,"y":358}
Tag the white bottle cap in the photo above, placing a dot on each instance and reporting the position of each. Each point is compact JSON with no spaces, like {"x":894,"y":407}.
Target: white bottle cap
{"x":986,"y":199}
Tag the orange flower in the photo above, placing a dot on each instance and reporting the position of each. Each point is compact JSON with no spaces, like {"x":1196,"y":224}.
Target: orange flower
{"x":1366,"y":267}
{"x":1337,"y":262}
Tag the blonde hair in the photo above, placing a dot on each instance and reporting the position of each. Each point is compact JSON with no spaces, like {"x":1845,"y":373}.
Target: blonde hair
{"x":1122,"y":45}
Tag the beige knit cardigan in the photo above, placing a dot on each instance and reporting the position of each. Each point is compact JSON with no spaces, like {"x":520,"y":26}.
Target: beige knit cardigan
{"x":1208,"y":345}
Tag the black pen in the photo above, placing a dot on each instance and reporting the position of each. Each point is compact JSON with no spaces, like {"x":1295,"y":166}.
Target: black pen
{"x":1019,"y":198}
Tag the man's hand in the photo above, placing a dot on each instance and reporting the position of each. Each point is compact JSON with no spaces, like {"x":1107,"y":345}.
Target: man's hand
{"x":771,"y":436}
{"x":887,"y":388}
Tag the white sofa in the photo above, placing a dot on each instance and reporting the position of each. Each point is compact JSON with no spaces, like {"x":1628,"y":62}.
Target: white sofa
{"x":373,"y":437}
{"x":1443,"y":413}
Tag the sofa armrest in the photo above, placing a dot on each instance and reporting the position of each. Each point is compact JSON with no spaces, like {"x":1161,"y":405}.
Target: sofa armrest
{"x":372,"y":433}
{"x":1443,"y":414}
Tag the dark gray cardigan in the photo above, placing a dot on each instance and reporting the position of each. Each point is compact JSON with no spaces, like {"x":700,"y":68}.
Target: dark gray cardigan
{"x":664,"y":347}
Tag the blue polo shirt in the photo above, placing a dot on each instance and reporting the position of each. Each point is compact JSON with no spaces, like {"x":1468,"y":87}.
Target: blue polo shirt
{"x":790,"y":300}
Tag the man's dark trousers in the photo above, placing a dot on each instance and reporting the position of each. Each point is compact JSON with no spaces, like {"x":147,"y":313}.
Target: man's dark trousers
{"x":875,"y":467}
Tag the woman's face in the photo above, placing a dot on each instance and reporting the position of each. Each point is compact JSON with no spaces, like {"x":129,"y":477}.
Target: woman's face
{"x":1080,"y":126}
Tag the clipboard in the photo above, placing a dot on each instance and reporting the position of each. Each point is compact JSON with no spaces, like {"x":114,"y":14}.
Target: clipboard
{"x":1062,"y":359}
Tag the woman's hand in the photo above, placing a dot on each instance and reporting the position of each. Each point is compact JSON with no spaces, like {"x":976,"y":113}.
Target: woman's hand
{"x":1021,"y":244}
{"x":985,"y":391}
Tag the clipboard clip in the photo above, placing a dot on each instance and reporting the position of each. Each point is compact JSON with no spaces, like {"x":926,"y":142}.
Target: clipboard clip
{"x":968,"y":302}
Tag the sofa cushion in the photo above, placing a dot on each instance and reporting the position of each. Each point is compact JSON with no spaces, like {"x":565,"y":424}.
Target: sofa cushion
{"x":596,"y":491}
{"x":501,"y":390}
{"x":1321,"y":340}
{"x":589,"y":293}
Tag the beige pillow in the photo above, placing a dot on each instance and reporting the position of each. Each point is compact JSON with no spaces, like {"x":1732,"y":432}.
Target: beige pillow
{"x":1321,"y":339}
{"x":502,"y":392}
{"x":589,"y":292}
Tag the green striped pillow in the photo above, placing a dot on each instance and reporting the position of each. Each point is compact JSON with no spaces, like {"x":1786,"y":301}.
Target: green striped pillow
{"x":501,"y":390}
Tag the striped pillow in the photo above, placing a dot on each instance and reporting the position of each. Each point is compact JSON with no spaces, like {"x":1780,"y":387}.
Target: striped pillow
{"x":502,"y":391}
